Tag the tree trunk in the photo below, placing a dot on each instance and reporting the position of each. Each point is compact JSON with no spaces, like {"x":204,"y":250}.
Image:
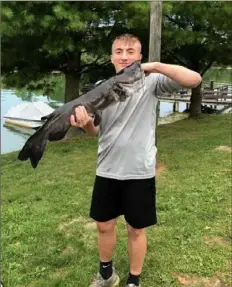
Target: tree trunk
{"x":72,"y":81}
{"x":72,"y":84}
{"x":195,"y":105}
{"x":72,"y":76}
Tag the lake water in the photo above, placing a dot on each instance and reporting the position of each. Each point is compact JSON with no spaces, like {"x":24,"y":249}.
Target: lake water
{"x":14,"y":139}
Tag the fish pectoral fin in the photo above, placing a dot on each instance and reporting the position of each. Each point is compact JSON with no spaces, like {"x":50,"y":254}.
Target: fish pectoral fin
{"x":97,"y":118}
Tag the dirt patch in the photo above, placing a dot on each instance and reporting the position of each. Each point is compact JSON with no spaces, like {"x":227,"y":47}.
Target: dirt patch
{"x":194,"y":281}
{"x":213,"y":282}
{"x":59,"y":272}
{"x":16,"y":244}
{"x":187,"y":280}
{"x":81,"y":225}
{"x":224,"y":148}
{"x":66,"y":225}
{"x":84,"y":221}
{"x":229,"y":170}
{"x":216,"y":240}
{"x":91,"y":226}
{"x":224,"y":276}
{"x":160,"y":168}
{"x":64,"y":217}
{"x":68,"y":250}
{"x":229,"y":210}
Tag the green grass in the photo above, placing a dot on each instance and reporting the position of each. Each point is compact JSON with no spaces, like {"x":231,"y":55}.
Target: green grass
{"x":49,"y":240}
{"x":220,"y":75}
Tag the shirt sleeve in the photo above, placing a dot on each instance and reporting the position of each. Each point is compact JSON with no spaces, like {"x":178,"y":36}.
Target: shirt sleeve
{"x":163,"y":84}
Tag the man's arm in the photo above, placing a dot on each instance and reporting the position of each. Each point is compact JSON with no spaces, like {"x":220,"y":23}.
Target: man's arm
{"x":91,"y":129}
{"x":183,"y":76}
{"x":84,"y":121}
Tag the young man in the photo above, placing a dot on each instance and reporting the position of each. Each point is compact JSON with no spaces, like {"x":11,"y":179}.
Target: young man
{"x":125,"y":175}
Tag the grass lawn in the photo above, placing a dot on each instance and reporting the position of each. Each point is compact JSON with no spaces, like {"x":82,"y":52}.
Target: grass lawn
{"x":218,"y":75}
{"x":48,"y":239}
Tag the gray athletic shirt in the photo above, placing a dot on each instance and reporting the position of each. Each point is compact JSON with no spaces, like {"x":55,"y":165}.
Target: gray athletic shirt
{"x":126,"y":147}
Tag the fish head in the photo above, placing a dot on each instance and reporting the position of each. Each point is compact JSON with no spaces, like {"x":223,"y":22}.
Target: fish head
{"x":130,"y":74}
{"x":128,"y":81}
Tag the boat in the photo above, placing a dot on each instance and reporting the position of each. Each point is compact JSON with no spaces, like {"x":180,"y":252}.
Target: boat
{"x":28,"y":115}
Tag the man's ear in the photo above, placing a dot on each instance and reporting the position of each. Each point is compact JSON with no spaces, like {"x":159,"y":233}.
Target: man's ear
{"x":141,"y":56}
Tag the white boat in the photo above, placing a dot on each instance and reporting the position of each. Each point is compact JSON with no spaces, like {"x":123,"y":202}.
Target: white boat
{"x":28,"y":115}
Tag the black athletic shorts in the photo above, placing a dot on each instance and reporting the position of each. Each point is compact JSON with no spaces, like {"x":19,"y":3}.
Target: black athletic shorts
{"x":135,"y":199}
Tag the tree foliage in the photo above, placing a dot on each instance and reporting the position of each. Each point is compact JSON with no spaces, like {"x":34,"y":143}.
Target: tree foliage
{"x":198,"y":35}
{"x":74,"y":38}
{"x":71,"y":37}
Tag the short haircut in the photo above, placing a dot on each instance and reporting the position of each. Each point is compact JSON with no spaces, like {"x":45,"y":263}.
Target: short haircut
{"x":127,"y":37}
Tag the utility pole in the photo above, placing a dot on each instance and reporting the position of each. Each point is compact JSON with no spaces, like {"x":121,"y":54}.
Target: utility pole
{"x":155,"y":41}
{"x":155,"y":30}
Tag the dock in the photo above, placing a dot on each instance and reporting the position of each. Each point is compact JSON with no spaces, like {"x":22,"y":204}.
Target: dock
{"x":211,"y":97}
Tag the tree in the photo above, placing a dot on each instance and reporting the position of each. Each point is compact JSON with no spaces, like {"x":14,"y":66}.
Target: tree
{"x":197,"y":35}
{"x":70,"y":37}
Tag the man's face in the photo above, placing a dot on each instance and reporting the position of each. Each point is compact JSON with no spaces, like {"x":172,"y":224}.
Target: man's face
{"x":125,"y":53}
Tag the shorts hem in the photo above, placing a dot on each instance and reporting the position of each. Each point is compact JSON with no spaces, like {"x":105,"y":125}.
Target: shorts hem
{"x":141,"y":226}
{"x":95,"y":218}
{"x":128,"y":177}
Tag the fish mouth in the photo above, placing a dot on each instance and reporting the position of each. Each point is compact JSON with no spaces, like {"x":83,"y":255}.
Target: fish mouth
{"x":122,"y":91}
{"x":130,"y":67}
{"x":128,"y":82}
{"x":124,"y":65}
{"x":130,"y":74}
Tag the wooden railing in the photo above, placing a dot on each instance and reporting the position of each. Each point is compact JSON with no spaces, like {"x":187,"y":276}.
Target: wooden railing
{"x":219,"y":93}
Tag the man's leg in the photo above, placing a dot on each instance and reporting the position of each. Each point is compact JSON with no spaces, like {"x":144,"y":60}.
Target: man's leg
{"x":106,"y":239}
{"x":139,"y":195}
{"x":106,"y":244}
{"x":104,"y":210}
{"x":137,"y":247}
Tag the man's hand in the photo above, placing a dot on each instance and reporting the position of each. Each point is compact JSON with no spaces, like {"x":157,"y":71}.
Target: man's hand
{"x":81,"y":118}
{"x":148,"y":68}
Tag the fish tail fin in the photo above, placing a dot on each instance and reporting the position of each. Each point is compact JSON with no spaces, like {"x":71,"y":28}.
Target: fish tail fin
{"x":34,"y":147}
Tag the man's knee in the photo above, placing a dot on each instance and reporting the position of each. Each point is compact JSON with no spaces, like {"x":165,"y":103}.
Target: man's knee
{"x":134,"y":233}
{"x":106,"y":227}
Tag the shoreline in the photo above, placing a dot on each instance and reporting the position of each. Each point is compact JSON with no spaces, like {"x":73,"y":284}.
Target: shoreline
{"x":171,"y":118}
